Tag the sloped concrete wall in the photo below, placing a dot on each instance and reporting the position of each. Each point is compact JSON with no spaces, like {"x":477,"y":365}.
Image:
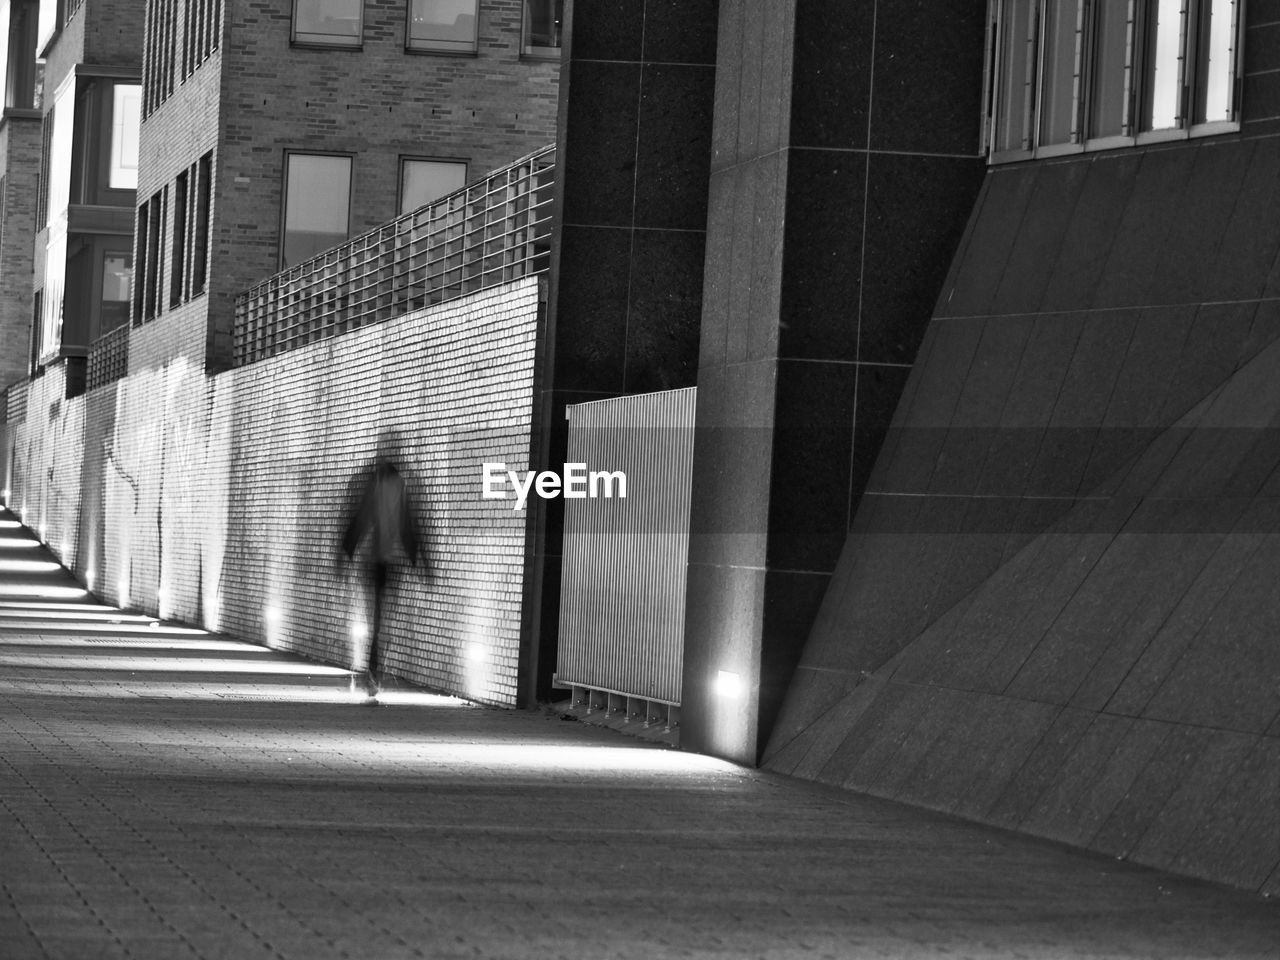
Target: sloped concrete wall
{"x":1057,"y":611}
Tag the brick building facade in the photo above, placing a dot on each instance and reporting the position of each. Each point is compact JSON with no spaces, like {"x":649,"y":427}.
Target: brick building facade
{"x":19,"y":175}
{"x":242,"y":96}
{"x":88,"y":174}
{"x":20,"y":163}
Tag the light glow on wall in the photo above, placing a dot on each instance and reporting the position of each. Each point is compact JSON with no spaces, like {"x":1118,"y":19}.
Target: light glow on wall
{"x":30,"y":590}
{"x":28,"y":566}
{"x":272,"y":617}
{"x":728,"y":685}
{"x":475,"y":667}
{"x":154,"y":664}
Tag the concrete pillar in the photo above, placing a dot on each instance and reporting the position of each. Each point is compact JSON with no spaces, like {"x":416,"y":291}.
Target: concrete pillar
{"x":845,"y":162}
{"x":636,"y":85}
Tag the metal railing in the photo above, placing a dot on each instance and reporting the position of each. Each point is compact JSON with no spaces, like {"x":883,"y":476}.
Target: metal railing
{"x":490,"y":232}
{"x":109,"y":357}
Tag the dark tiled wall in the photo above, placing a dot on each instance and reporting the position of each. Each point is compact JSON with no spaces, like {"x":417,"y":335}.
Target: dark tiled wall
{"x":1261,"y":92}
{"x":845,"y":166}
{"x":626,"y":297}
{"x":1058,"y":611}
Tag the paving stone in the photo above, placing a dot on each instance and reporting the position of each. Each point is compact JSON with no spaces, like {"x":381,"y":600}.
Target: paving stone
{"x":223,"y":815}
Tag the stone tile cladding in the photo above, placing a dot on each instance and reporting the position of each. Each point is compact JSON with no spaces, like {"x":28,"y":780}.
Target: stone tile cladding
{"x":1056,"y":609}
{"x":222,"y":500}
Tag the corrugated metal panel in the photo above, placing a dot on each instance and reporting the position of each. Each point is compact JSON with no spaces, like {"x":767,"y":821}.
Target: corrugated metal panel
{"x":622,"y":595}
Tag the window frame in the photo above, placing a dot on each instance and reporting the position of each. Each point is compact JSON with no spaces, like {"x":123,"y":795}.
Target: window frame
{"x":202,"y":213}
{"x":20,"y":61}
{"x":453,"y":48}
{"x":530,"y":51}
{"x":105,"y":251}
{"x":1086,"y":71}
{"x":178,"y":248}
{"x":413,"y":158}
{"x":317,"y":41}
{"x":289,"y":153}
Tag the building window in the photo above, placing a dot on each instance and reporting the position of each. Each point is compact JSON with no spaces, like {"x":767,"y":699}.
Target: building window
{"x":1071,"y":75}
{"x":117,"y":280}
{"x":150,"y":246}
{"x":160,"y":52}
{"x":102,"y":163}
{"x":200,"y":233}
{"x":201,"y":25}
{"x":422,"y":181}
{"x":19,"y":55}
{"x":126,"y":118}
{"x":188,"y":260}
{"x":542,"y":20}
{"x":49,"y":23}
{"x":332,"y":23}
{"x":141,"y":242}
{"x":61,"y":151}
{"x":446,"y":26}
{"x":317,"y":202}
{"x":178,"y":264}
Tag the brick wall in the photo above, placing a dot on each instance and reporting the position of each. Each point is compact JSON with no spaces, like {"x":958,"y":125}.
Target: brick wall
{"x":259,"y":96}
{"x":113,"y":31}
{"x":19,"y":169}
{"x":218,"y":499}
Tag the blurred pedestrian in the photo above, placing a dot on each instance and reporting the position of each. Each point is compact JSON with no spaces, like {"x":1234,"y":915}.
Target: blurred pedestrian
{"x":386,"y":515}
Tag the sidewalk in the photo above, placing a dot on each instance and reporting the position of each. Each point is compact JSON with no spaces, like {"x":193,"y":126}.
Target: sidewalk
{"x":169,"y":794}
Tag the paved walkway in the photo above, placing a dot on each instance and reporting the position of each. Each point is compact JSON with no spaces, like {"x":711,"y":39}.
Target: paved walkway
{"x":169,"y":794}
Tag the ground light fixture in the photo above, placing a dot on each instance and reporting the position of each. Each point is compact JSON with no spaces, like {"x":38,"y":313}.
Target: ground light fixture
{"x":728,"y":685}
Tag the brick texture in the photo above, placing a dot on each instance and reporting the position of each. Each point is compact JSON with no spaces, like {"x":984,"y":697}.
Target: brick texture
{"x":222,"y":500}
{"x":20,"y":166}
{"x":259,"y":96}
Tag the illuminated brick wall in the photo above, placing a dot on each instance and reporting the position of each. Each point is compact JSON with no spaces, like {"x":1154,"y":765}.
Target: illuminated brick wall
{"x":454,"y":387}
{"x":222,"y":500}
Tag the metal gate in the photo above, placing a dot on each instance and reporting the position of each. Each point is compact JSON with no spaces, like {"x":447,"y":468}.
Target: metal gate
{"x":622,"y":594}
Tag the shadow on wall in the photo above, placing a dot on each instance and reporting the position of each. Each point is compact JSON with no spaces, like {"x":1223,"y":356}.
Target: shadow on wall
{"x":1057,"y":609}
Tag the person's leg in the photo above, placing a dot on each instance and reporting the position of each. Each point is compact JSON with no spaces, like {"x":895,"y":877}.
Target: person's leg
{"x":379,"y":592}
